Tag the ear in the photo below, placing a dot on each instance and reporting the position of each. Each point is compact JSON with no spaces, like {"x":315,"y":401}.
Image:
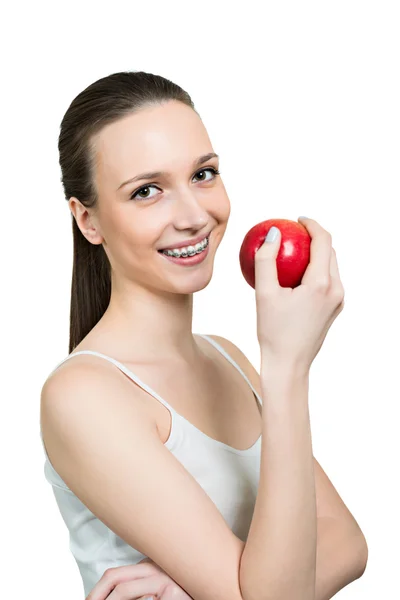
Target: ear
{"x":85,"y":221}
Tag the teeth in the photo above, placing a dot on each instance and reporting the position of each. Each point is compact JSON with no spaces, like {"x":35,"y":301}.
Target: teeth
{"x":188,"y":250}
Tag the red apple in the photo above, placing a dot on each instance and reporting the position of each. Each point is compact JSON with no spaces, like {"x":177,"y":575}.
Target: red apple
{"x":293,"y":255}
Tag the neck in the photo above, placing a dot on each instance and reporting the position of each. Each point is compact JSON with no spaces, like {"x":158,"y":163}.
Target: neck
{"x":158,"y":324}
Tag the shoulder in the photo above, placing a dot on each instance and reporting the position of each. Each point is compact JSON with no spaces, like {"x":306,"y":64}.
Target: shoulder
{"x":93,"y":381}
{"x":83,"y":370}
{"x":241,"y":359}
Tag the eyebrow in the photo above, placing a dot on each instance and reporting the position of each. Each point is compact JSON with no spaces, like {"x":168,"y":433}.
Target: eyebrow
{"x":153,"y":174}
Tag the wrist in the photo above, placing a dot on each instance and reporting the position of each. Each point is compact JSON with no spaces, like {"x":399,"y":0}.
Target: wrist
{"x":286,"y":369}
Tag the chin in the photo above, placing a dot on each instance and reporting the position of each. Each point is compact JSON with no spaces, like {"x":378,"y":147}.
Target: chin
{"x":194,"y":283}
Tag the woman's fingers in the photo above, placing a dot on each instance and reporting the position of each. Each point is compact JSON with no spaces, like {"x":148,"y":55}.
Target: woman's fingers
{"x":116,"y":575}
{"x":139,"y":588}
{"x":137,"y":582}
{"x":134,"y":590}
{"x":265,"y":267}
{"x":317,"y":273}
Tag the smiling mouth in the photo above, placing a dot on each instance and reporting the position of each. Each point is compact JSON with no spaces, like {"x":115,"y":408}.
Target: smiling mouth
{"x":165,"y":251}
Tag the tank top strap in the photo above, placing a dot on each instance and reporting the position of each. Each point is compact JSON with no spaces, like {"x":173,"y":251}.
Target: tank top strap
{"x":234,"y":363}
{"x":125,"y":370}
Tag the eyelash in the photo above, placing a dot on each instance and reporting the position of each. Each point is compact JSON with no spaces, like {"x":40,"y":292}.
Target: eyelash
{"x":144,"y":187}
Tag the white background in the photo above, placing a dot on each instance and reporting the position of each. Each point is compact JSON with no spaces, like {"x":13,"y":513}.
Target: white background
{"x":301,"y":101}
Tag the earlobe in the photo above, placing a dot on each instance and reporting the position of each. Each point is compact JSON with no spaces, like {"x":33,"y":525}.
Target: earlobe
{"x":92,"y":236}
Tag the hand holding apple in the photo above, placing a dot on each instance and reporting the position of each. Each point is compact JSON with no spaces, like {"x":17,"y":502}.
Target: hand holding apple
{"x":293,"y":256}
{"x":292,"y":323}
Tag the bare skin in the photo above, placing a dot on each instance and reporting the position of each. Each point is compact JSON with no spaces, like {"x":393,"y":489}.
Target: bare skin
{"x":151,"y":305}
{"x":213,"y":396}
{"x":148,"y":323}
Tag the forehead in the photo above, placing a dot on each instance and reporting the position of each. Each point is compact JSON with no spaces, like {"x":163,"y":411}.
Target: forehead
{"x":163,"y":137}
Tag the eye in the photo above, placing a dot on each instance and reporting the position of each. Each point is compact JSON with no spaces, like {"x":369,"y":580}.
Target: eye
{"x":214,"y":171}
{"x":137,"y":193}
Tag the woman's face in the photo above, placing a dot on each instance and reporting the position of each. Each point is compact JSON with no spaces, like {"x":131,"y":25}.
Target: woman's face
{"x":139,"y":218}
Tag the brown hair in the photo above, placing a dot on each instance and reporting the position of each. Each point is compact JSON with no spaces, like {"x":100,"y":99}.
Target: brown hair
{"x":101,"y":103}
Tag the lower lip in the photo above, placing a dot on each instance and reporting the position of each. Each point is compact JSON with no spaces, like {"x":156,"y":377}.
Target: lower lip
{"x":190,"y":260}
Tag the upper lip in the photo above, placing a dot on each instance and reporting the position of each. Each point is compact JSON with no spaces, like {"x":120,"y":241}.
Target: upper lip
{"x":191,"y":242}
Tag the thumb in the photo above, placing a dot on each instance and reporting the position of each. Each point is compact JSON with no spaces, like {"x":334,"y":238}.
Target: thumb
{"x":266,"y":274}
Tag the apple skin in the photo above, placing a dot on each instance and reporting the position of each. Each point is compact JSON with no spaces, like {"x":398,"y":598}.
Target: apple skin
{"x":293,"y":255}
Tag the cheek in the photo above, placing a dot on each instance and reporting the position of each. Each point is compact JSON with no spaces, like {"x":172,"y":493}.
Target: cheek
{"x":129,"y":238}
{"x":223,"y":208}
{"x":138,"y":242}
{"x":132,"y":230}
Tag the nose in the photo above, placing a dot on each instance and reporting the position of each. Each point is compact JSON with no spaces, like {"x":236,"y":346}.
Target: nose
{"x":188,"y":211}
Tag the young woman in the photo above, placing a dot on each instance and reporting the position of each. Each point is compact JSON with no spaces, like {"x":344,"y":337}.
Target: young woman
{"x":208,"y":475}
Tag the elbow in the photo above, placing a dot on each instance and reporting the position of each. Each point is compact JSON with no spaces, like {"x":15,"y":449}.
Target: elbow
{"x":363,"y":560}
{"x":361,"y":555}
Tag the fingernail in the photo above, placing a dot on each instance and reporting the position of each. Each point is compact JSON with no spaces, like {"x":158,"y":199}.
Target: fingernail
{"x":271,"y":235}
{"x":303,"y":217}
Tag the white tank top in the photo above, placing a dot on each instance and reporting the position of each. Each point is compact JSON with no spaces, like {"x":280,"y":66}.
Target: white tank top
{"x":229,"y":476}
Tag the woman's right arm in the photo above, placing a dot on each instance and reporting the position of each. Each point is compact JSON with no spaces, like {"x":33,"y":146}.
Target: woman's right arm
{"x":279,"y":559}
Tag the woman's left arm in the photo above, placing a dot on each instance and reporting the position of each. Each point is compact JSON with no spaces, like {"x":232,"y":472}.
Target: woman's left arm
{"x":342,"y":550}
{"x":342,"y":554}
